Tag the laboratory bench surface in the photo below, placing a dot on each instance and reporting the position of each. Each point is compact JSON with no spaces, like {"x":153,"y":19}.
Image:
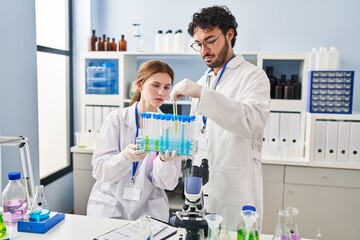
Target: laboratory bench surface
{"x":83,"y":227}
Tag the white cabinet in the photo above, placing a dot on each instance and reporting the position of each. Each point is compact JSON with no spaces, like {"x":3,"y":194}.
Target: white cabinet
{"x":83,"y":180}
{"x":326,"y":198}
{"x":273,"y":195}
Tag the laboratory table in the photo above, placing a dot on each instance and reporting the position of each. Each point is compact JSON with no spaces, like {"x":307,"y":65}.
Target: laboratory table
{"x":83,"y":227}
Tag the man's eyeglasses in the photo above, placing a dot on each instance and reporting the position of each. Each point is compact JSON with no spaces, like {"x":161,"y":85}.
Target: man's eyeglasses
{"x":208,"y":44}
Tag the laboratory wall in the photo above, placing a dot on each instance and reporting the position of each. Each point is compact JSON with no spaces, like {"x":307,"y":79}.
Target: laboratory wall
{"x":18,"y":85}
{"x":264,"y":26}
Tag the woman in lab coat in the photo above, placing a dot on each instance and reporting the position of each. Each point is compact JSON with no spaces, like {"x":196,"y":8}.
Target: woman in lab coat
{"x":130,"y":182}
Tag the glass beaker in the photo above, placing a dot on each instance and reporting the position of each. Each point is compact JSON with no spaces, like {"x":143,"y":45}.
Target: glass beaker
{"x":282,"y":231}
{"x":213,"y":221}
{"x":294,"y":231}
{"x":39,"y":208}
{"x":145,"y":228}
{"x":224,"y":233}
{"x":248,"y":229}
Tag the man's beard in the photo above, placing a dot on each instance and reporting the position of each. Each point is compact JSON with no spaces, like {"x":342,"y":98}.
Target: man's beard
{"x":221,"y":58}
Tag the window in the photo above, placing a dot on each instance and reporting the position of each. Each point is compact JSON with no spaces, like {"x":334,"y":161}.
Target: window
{"x":54,"y":70}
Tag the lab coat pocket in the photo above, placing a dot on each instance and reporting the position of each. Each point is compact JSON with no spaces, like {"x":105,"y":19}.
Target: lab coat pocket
{"x":102,"y":204}
{"x":159,"y":209}
{"x":232,"y":184}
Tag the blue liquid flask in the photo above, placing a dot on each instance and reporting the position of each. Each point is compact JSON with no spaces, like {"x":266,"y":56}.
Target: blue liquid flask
{"x":39,"y":209}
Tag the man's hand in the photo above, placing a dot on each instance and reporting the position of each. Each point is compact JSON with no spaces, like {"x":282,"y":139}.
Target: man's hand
{"x":184,"y":88}
{"x":132,"y":154}
{"x":167,"y":157}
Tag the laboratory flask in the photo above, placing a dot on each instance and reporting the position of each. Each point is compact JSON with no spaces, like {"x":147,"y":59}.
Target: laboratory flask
{"x":248,"y":228}
{"x":213,"y":221}
{"x":224,"y":233}
{"x":282,"y":231}
{"x":14,"y":199}
{"x":39,"y":209}
{"x":145,"y":228}
{"x":2,"y":227}
{"x":294,"y":231}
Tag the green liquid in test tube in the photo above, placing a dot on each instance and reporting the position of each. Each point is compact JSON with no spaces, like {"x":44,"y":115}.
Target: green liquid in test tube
{"x":146,"y":143}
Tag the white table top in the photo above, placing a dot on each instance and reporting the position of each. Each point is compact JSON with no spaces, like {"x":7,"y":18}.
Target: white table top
{"x":75,"y":227}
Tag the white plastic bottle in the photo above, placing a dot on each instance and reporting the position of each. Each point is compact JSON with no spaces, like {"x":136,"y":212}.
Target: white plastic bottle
{"x":169,"y":41}
{"x":159,"y":41}
{"x":179,"y":41}
{"x":14,"y":199}
{"x":322,"y":59}
{"x":334,"y":59}
{"x":313,"y":59}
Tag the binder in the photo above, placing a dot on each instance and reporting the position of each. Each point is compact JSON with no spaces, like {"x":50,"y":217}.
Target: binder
{"x":320,"y":138}
{"x":89,"y":120}
{"x":265,"y":146}
{"x":354,"y":153}
{"x":343,"y":142}
{"x":331,"y":141}
{"x":295,"y":143}
{"x":97,"y":118}
{"x":284,"y":133}
{"x":274,"y":121}
{"x":114,"y":108}
{"x":105,"y":111}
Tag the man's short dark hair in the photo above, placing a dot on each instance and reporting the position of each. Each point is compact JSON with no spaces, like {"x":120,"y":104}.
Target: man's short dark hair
{"x":211,"y":17}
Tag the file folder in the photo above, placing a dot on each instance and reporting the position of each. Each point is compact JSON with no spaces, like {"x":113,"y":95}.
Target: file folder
{"x":89,"y":120}
{"x":97,"y":118}
{"x":105,"y":111}
{"x":295,"y":143}
{"x":284,"y":133}
{"x":274,"y":121}
{"x":320,"y":139}
{"x":343,"y":142}
{"x":331,"y":141}
{"x":354,"y":153}
{"x":265,"y":146}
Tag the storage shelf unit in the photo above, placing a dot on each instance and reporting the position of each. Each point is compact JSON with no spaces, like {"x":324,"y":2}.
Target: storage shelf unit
{"x":185,"y":65}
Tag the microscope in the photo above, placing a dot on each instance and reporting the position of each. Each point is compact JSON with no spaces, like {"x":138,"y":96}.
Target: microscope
{"x":192,"y":217}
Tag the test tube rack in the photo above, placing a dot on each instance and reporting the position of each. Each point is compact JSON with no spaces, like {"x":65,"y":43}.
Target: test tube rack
{"x":161,"y":132}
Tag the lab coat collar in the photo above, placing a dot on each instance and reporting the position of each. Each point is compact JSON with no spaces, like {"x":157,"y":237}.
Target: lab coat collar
{"x":234,"y":63}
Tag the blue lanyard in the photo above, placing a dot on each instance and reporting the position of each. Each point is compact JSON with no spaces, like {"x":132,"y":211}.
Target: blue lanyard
{"x":216,"y":84}
{"x":135,"y":164}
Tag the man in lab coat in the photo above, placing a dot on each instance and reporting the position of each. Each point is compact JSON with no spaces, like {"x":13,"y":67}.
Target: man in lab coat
{"x":232,"y":104}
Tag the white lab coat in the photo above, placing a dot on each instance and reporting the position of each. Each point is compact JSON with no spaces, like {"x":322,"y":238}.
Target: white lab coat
{"x":237,"y":114}
{"x":112,"y":172}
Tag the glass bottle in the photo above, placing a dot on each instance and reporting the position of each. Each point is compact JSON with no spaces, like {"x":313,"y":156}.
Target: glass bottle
{"x":297,"y":86}
{"x":145,"y":228}
{"x":98,"y":44}
{"x":272,"y":79}
{"x":107,"y":44}
{"x":282,"y":231}
{"x":248,"y":228}
{"x":14,"y":199}
{"x":294,"y":231}
{"x":113,"y":45}
{"x":2,"y":227}
{"x":224,"y":233}
{"x":39,"y":209}
{"x":122,"y":43}
{"x":318,"y":234}
{"x":92,"y":41}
